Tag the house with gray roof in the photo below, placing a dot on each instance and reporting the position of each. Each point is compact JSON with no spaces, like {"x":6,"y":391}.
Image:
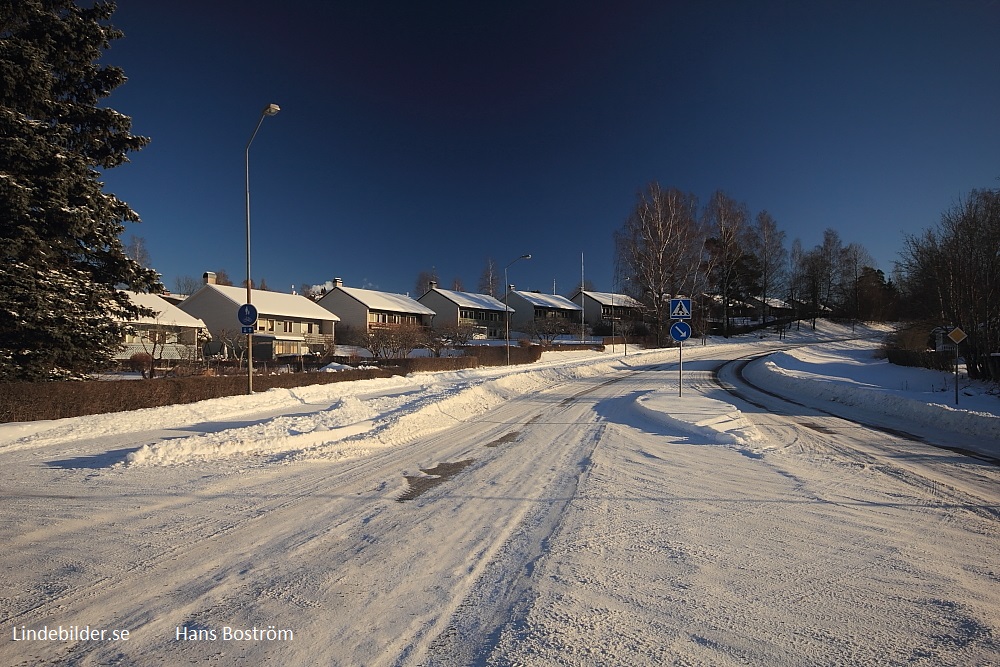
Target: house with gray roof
{"x":608,"y":307}
{"x":526,"y":307}
{"x":481,"y":312}
{"x":287,"y":324}
{"x":363,"y":309}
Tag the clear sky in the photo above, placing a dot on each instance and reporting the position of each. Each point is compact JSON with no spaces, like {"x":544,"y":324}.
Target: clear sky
{"x":419,"y":135}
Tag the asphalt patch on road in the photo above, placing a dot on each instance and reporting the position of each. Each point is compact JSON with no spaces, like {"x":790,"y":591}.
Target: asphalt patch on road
{"x":504,"y":439}
{"x":442,"y":472}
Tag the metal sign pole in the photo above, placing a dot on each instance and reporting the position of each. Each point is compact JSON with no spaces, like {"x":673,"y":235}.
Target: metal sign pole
{"x":680,"y":371}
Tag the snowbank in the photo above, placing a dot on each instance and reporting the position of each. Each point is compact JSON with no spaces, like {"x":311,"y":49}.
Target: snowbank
{"x":707,"y":418}
{"x":431,"y":402}
{"x":847,"y":373}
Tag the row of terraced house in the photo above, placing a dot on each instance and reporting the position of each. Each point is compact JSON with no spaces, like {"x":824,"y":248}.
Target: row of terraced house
{"x":293,"y":324}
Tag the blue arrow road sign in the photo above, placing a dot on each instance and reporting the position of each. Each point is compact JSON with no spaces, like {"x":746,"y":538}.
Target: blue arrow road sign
{"x":247,"y":314}
{"x":680,"y":331}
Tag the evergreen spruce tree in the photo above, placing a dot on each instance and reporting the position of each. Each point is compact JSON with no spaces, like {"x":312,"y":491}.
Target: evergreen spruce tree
{"x":61,"y":256}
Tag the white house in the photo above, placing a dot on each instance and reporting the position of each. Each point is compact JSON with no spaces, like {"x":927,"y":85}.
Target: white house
{"x":287,"y":324}
{"x":365,"y":309}
{"x":170,"y":334}
{"x":464,"y":309}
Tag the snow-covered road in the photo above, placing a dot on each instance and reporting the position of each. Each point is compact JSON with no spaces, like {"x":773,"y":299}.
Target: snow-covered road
{"x":574,"y":513}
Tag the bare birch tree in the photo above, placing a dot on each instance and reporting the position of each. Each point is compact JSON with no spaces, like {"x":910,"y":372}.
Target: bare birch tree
{"x":661,"y":249}
{"x":767,"y":244}
{"x":489,"y":281}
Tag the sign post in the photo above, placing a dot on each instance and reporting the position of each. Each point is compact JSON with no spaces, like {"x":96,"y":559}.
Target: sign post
{"x":957,"y":336}
{"x":680,"y":309}
{"x":247,"y":315}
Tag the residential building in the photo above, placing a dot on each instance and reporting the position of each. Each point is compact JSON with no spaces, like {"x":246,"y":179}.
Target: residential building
{"x":526,"y":307}
{"x":170,"y":334}
{"x":481,"y":312}
{"x":365,"y":309}
{"x":608,"y":307}
{"x":287,"y":324}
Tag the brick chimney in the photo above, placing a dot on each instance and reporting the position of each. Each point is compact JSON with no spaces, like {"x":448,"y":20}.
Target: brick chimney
{"x":209,"y":278}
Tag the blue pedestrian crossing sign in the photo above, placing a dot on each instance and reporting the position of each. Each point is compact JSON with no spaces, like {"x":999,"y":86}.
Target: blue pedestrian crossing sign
{"x":680,"y":309}
{"x":247,"y":314}
{"x":680,"y":331}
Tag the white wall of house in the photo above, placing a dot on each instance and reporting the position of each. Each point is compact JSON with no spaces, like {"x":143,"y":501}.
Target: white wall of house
{"x":289,"y":323}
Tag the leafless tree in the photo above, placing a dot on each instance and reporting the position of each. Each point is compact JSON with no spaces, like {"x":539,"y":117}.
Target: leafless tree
{"x":728,"y":225}
{"x":767,"y":245}
{"x":489,"y":281}
{"x":136,"y":250}
{"x":854,"y":259}
{"x":424,"y":280}
{"x":222,"y":278}
{"x":955,"y":267}
{"x":661,"y":249}
{"x":187,"y":285}
{"x":547,"y":329}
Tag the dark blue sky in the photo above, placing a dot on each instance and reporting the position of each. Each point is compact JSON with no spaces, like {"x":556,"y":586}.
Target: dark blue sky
{"x":436,"y":134}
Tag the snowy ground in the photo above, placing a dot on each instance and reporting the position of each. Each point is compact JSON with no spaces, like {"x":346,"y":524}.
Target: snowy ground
{"x":575,"y":512}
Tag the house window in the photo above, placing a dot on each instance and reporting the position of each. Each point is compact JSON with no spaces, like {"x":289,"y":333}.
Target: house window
{"x":309,"y":327}
{"x":287,"y":326}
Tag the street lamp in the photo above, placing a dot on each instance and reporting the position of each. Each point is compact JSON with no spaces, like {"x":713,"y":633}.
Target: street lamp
{"x":269,"y":110}
{"x":506,"y":308}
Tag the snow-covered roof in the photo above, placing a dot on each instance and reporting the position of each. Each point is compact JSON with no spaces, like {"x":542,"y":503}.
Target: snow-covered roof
{"x":547,"y":300}
{"x":386,"y":301}
{"x":611,"y":299}
{"x":470,"y":300}
{"x":167,"y":314}
{"x":276,"y":303}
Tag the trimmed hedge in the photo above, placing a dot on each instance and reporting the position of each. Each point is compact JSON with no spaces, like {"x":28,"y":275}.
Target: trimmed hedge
{"x":496,"y":355}
{"x":31,"y":401}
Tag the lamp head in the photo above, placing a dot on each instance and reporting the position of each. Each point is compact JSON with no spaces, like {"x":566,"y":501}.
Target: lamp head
{"x":525,"y":256}
{"x":271,"y":109}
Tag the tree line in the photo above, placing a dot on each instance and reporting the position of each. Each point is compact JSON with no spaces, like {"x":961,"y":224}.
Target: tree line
{"x":670,"y":246}
{"x":949,"y":276}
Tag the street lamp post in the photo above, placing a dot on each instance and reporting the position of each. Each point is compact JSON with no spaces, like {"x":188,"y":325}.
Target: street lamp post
{"x":506,"y":308}
{"x":269,"y":110}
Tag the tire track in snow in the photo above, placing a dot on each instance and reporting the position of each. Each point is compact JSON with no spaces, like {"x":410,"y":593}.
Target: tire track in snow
{"x":881,"y":454}
{"x":501,"y":597}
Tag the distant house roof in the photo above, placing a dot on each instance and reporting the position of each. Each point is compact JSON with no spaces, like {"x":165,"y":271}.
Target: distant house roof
{"x":167,"y":314}
{"x":547,"y":300}
{"x":386,"y":301}
{"x":469,"y":300}
{"x":275,"y":303}
{"x":610,"y":299}
{"x":775,"y":303}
